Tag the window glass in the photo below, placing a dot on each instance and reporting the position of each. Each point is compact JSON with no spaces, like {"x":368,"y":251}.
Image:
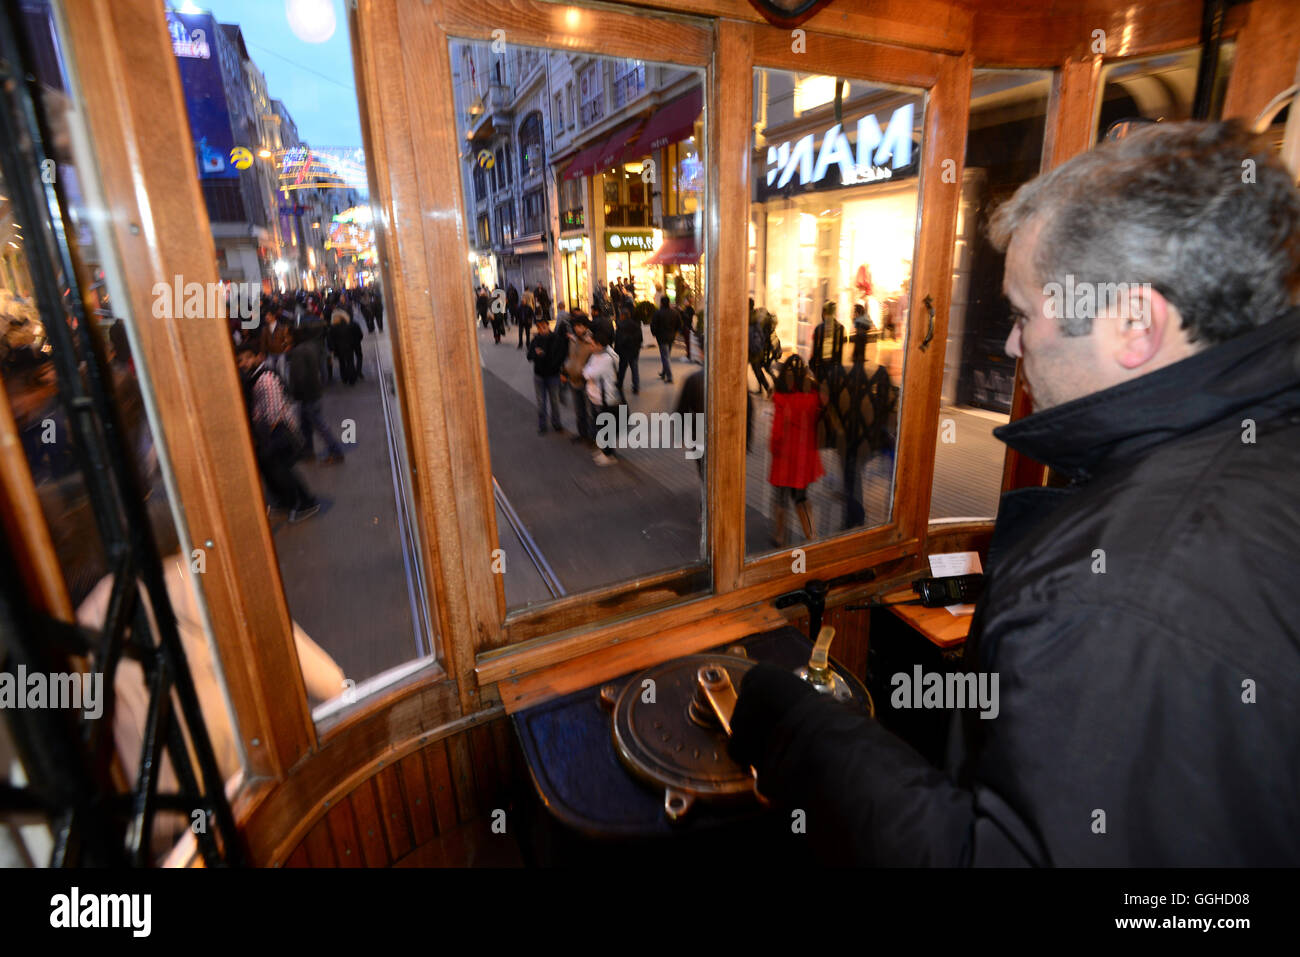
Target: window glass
{"x":296,"y":241}
{"x":596,"y":430}
{"x":1004,"y":145}
{"x":1156,"y":88}
{"x":833,"y":223}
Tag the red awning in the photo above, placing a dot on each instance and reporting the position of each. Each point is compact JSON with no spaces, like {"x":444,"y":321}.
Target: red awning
{"x":611,"y":151}
{"x":583,"y":162}
{"x":675,"y":251}
{"x":672,"y":122}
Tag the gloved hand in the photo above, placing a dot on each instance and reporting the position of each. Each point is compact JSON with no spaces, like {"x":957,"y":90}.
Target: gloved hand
{"x":767,"y":693}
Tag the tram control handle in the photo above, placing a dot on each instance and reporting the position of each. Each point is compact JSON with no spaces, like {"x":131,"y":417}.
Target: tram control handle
{"x":813,"y":596}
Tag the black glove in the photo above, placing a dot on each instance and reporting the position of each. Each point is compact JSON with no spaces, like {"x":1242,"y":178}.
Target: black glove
{"x":767,"y":694}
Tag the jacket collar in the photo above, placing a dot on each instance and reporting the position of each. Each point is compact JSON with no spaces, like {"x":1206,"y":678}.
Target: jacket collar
{"x":1125,"y":421}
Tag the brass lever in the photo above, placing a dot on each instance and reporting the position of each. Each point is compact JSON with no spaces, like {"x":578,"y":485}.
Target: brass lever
{"x":818,"y":671}
{"x":716,"y":684}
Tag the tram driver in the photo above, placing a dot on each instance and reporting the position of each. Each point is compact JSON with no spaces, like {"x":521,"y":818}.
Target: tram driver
{"x":1145,"y":620}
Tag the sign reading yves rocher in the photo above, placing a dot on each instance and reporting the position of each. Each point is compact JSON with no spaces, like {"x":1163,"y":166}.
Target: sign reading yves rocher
{"x":836,"y":161}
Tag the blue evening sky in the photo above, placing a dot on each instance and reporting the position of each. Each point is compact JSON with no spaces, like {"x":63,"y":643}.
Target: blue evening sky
{"x":314,"y":80}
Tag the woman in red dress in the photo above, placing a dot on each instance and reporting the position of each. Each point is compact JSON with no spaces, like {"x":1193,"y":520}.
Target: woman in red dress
{"x":796,"y":464}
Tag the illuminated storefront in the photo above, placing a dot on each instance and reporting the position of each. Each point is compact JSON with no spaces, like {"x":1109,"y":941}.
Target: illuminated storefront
{"x":626,"y":255}
{"x":834,"y":218}
{"x":574,"y":254}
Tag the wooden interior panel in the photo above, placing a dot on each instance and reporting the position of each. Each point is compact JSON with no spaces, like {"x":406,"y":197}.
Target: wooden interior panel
{"x":1031,"y":34}
{"x":405,"y":815}
{"x":392,"y":807}
{"x":369,"y":820}
{"x":926,"y":24}
{"x":441,"y":789}
{"x":602,"y":30}
{"x":1268,"y":50}
{"x":343,"y":835}
{"x":415,"y":789}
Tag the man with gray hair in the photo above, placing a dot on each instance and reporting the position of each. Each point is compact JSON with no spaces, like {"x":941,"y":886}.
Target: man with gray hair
{"x":1143,"y":613}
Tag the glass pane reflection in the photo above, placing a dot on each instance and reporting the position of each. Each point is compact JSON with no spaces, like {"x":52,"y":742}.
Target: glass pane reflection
{"x":584,"y":180}
{"x":832,"y":230}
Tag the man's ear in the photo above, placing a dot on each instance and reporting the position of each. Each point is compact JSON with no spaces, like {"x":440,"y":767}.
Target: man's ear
{"x":1142,"y":325}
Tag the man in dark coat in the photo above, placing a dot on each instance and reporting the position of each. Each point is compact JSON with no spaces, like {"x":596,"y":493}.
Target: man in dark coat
{"x":664,"y":328}
{"x":547,"y":353}
{"x":305,"y":388}
{"x":627,"y":343}
{"x":1144,"y":621}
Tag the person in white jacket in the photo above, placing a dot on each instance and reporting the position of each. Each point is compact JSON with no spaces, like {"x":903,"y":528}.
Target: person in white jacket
{"x":602,"y":391}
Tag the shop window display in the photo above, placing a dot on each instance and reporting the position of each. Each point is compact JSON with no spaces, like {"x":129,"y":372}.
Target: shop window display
{"x":833,"y":223}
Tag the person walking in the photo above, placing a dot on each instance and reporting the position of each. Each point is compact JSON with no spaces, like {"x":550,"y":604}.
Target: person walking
{"x":581,"y":346}
{"x":277,"y":437}
{"x":546,"y":352}
{"x":481,"y":306}
{"x":627,"y":343}
{"x":377,"y":306}
{"x":360,"y":314}
{"x":356,"y":335}
{"x":497,"y":309}
{"x":687,"y":312}
{"x":602,"y":393}
{"x":527,"y":316}
{"x":796,"y":464}
{"x":277,"y":339}
{"x":664,"y":327}
{"x":543,"y":301}
{"x":340,"y":343}
{"x":305,"y":387}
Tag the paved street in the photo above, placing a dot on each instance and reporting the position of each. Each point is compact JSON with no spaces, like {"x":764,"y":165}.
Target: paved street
{"x":343,"y":570}
{"x":562,"y":518}
{"x":593,"y":526}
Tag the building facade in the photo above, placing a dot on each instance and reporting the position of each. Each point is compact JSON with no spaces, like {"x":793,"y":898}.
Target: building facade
{"x":580,"y":170}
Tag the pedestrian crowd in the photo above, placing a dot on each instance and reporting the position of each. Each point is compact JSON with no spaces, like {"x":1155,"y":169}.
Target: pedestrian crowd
{"x":820,"y":404}
{"x":285,"y":360}
{"x":583,"y":358}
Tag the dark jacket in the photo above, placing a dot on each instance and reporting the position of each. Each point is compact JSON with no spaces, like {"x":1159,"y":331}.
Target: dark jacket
{"x":817,"y":359}
{"x":1161,"y":689}
{"x":547,"y":354}
{"x":304,"y":372}
{"x":627,"y":337}
{"x":665,"y":324}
